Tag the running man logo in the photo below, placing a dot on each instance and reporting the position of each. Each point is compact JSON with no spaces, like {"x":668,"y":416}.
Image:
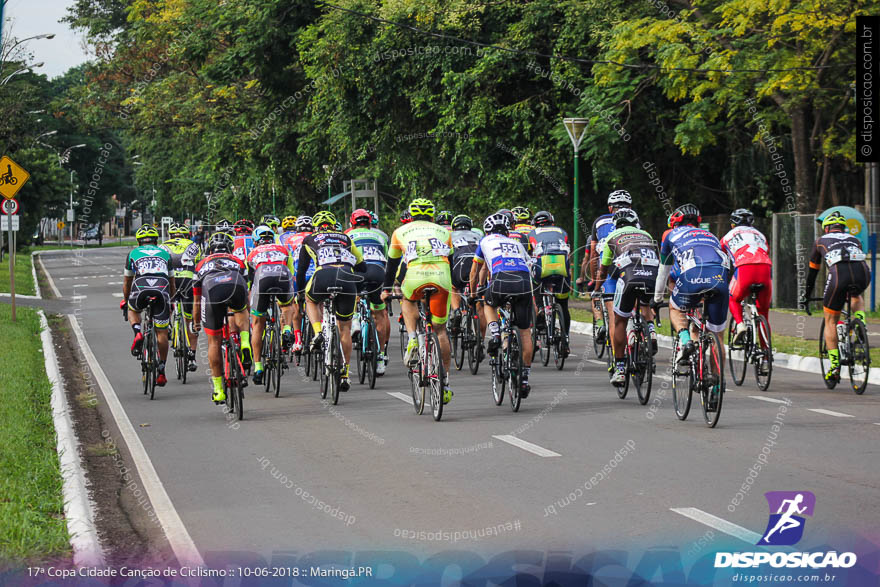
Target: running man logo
{"x":786,"y":524}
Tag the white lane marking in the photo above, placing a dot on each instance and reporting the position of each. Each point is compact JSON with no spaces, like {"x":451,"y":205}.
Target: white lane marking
{"x":768,"y":399}
{"x":49,"y":278}
{"x":830,"y":413}
{"x":528,"y":446}
{"x":876,"y":423}
{"x":181,"y":543}
{"x":18,"y":295}
{"x":597,"y":362}
{"x":113,"y":283}
{"x":397,"y":394}
{"x":719,"y":524}
{"x":77,"y":298}
{"x":118,"y":294}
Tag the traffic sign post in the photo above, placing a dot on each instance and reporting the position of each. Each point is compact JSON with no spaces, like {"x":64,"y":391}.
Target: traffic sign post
{"x":10,"y":224}
{"x":12,"y":177}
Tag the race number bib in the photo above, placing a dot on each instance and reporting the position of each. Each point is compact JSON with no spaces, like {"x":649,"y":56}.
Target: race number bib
{"x":146,"y":265}
{"x":844,"y":254}
{"x":373,"y":253}
{"x":335,"y":255}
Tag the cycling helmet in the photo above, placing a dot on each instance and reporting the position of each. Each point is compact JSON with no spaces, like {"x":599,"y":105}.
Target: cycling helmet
{"x":304,"y":224}
{"x":620,"y":198}
{"x":544,"y":218}
{"x":742,"y":217}
{"x":445,"y":218}
{"x":223,"y":225}
{"x":147,"y":232}
{"x":625,"y":217}
{"x":263,"y":232}
{"x":243,"y":226}
{"x":288,"y":222}
{"x":220,"y":242}
{"x":360,"y":217}
{"x":324,"y":220}
{"x":497,"y":222}
{"x":834,"y":219}
{"x":271,"y":221}
{"x":685,"y":214}
{"x":462,"y":222}
{"x":521,"y":214}
{"x":178,"y":229}
{"x":405,"y":217}
{"x":511,"y":220}
{"x":421,"y":207}
{"x":669,"y":221}
{"x":374,"y":219}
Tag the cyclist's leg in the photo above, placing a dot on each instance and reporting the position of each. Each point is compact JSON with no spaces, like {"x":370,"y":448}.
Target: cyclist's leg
{"x":259,"y":303}
{"x":285,"y":298}
{"x":439,"y":313}
{"x":315,"y":295}
{"x":716,"y":321}
{"x":624,"y":303}
{"x":833,"y":301}
{"x":211,"y":314}
{"x":739,"y":288}
{"x":345,"y":303}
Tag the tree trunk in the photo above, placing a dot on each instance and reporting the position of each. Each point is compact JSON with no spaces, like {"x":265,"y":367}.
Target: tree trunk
{"x":803,"y":161}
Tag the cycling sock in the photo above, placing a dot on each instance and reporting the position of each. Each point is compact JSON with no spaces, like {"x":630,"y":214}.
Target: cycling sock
{"x":494,"y":329}
{"x":161,"y":366}
{"x":286,"y":329}
{"x":258,"y":366}
{"x":136,"y":328}
{"x":218,"y":383}
{"x":684,"y":336}
{"x":834,"y":356}
{"x":245,"y":340}
{"x":859,"y":315}
{"x":651,"y":327}
{"x":621,"y":365}
{"x":526,"y":372}
{"x":316,"y":326}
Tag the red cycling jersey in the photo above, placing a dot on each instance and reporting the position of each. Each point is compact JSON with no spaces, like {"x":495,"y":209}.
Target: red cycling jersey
{"x":271,"y":254}
{"x":746,"y":246}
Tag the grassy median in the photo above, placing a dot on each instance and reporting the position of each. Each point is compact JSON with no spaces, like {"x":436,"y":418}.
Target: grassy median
{"x":24,"y":280}
{"x":31,"y":505}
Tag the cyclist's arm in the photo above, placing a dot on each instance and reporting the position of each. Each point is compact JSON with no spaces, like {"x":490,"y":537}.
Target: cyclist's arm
{"x":172,"y":287}
{"x":391,"y":271}
{"x":662,"y":276}
{"x":360,"y":265}
{"x":815,"y":265}
{"x":126,"y":286}
{"x":473,"y":278}
{"x":302,"y":267}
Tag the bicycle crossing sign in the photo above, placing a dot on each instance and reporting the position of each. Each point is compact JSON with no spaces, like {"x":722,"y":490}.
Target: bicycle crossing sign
{"x":12,"y":177}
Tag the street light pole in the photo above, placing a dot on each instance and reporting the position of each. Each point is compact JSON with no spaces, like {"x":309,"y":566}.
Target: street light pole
{"x":575,"y":128}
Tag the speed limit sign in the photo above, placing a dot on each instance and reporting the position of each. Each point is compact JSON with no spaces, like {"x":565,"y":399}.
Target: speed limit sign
{"x":9,"y":207}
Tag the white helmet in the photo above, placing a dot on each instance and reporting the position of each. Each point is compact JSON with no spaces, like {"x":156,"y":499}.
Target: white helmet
{"x":495,"y":222}
{"x":620,"y":198}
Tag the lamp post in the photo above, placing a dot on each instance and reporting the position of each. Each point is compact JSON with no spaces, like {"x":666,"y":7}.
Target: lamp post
{"x":70,"y":209}
{"x":575,"y":128}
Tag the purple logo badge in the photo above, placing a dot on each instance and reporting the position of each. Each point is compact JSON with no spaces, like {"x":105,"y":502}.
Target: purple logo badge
{"x":786,"y":524}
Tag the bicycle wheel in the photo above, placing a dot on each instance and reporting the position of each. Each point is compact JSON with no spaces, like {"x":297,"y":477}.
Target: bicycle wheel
{"x":321,"y":365}
{"x":436,"y":375}
{"x":712,"y":378}
{"x":416,"y":389}
{"x":373,"y":353}
{"x":824,"y":360}
{"x":598,"y":348}
{"x":498,"y":380}
{"x":335,"y":374}
{"x":179,"y":365}
{"x":546,"y":340}
{"x":682,"y":388}
{"x":277,"y":360}
{"x":644,"y":365}
{"x":458,"y":350}
{"x":145,"y":371}
{"x":404,"y":338}
{"x":476,"y":342}
{"x":859,"y":355}
{"x":360,"y":348}
{"x":514,"y":369}
{"x":237,"y":386}
{"x":737,"y":354}
{"x":622,"y":390}
{"x":154,"y":360}
{"x":268,"y":365}
{"x":763,"y":352}
{"x":558,"y":336}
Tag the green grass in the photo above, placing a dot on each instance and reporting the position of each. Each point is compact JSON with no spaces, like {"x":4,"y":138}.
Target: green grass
{"x":24,"y":280}
{"x":31,"y":505}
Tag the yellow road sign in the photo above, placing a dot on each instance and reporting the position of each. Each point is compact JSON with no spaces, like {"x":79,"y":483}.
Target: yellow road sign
{"x":60,"y":225}
{"x":12,"y":177}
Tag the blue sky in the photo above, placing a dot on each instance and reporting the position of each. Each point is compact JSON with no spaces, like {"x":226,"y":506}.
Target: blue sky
{"x":35,"y":17}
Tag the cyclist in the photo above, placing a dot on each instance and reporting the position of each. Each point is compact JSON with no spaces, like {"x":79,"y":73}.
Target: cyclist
{"x":505,"y":262}
{"x":271,"y":274}
{"x":271,"y":221}
{"x":185,"y":254}
{"x":374,"y":224}
{"x":425,"y":247}
{"x":147,"y":275}
{"x":293,"y":240}
{"x":748,"y":249}
{"x":464,"y":247}
{"x":444,"y":219}
{"x":602,"y":227}
{"x":550,"y":249}
{"x":843,"y":254}
{"x":522,"y":237}
{"x":288,"y":227}
{"x":244,"y":240}
{"x":693,"y":257}
{"x":336,"y":260}
{"x":219,"y":287}
{"x":633,"y":253}
{"x":374,"y":248}
{"x":522,"y":220}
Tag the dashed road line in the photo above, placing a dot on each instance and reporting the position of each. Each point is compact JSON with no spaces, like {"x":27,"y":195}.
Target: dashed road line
{"x":596,"y":361}
{"x":719,"y":524}
{"x":528,"y":446}
{"x":767,"y":399}
{"x":830,"y":413}
{"x":397,"y":394}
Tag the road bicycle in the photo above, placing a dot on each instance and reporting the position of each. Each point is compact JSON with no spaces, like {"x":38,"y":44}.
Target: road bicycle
{"x":330,"y":358}
{"x":180,"y":342}
{"x":754,"y":347}
{"x":367,"y":345}
{"x":704,"y":373}
{"x":598,"y":299}
{"x":507,"y":361}
{"x":552,"y":335}
{"x":149,"y":353}
{"x":273,"y":354}
{"x":467,"y":338}
{"x":234,"y":373}
{"x":852,"y":347}
{"x":427,"y":374}
{"x":638,"y":354}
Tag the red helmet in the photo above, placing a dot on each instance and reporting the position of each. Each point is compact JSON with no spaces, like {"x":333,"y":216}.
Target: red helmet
{"x":243,"y":226}
{"x":685,"y":214}
{"x":360,"y":214}
{"x":405,"y":217}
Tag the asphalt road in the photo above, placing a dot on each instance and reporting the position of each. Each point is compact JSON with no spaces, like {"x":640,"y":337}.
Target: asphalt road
{"x":393,"y":474}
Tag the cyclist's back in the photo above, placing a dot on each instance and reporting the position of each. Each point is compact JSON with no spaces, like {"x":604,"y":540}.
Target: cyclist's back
{"x":847,"y":269}
{"x":748,"y":249}
{"x":374,"y":248}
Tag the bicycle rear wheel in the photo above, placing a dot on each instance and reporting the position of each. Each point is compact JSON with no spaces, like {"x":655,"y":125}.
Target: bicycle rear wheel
{"x":268,"y":359}
{"x":514,"y":364}
{"x":404,"y":338}
{"x":824,"y":360}
{"x":643,"y":360}
{"x":859,"y":356}
{"x":737,"y":354}
{"x":475,"y":341}
{"x":558,"y":336}
{"x":682,"y":387}
{"x":153,"y":345}
{"x":763,"y":353}
{"x":335,"y":374}
{"x":598,"y":348}
{"x":622,"y":390}
{"x":498,"y":380}
{"x":712,"y":379}
{"x":436,"y":375}
{"x":546,"y":340}
{"x":277,"y":360}
{"x":458,"y":350}
{"x":360,"y":348}
{"x":373,"y":355}
{"x":179,"y":365}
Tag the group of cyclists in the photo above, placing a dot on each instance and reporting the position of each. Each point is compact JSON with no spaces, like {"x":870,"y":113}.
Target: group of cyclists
{"x":299,"y":261}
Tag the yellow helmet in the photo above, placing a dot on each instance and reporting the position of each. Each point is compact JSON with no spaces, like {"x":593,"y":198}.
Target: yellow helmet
{"x":322,"y":219}
{"x":833,"y":219}
{"x":145,"y":232}
{"x":288,"y":222}
{"x":421,"y":207}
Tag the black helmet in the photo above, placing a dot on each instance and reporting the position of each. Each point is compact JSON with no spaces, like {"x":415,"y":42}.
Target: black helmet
{"x":444,"y":217}
{"x":543,"y":218}
{"x":220,"y":242}
{"x":685,"y":214}
{"x":462,"y":222}
{"x":742,"y":217}
{"x":625,"y":217}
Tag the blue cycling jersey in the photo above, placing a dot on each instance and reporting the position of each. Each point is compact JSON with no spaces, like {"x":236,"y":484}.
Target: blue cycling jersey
{"x":687,"y":247}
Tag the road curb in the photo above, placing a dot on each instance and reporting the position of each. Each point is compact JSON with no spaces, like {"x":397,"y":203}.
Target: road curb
{"x":785,"y":360}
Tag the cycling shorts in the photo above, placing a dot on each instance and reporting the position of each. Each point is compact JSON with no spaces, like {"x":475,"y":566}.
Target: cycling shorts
{"x":371,"y":287}
{"x":461,"y":270}
{"x":270,"y":280}
{"x":636,"y":284}
{"x":841,"y":277}
{"x":152,"y":286}
{"x":423,"y":275}
{"x":609,"y":286}
{"x":741,"y":283}
{"x":560,"y":284}
{"x":517,"y":287}
{"x":222,"y":293}
{"x":184,"y":288}
{"x":691,"y":284}
{"x":341,"y":276}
